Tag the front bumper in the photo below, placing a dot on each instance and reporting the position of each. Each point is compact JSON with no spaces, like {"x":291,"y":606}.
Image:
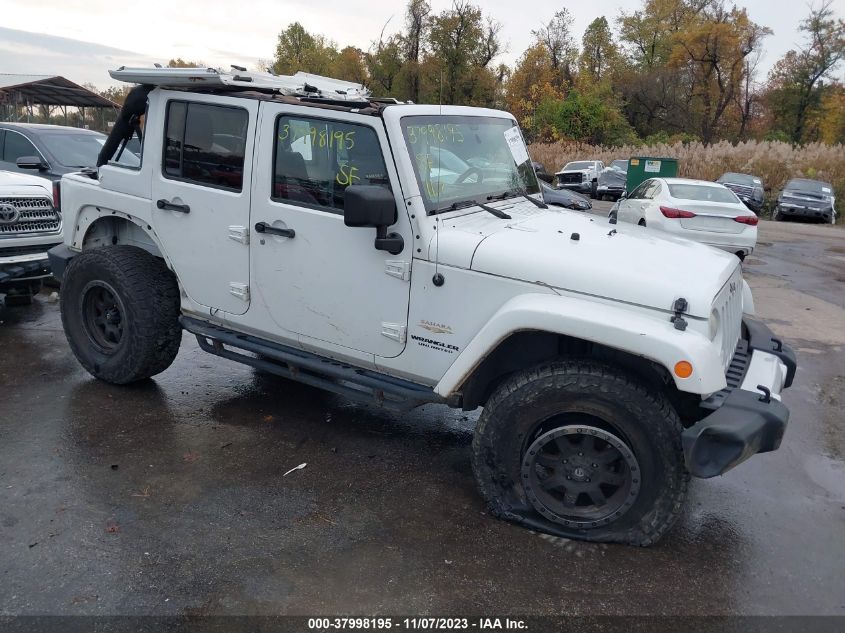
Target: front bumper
{"x":610,"y":190}
{"x":22,"y":268}
{"x":754,"y":204}
{"x":799,"y":211}
{"x":60,"y":255}
{"x":747,"y":416}
{"x":585,"y":185}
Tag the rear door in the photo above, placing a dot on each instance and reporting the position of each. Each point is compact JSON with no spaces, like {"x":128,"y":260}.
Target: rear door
{"x":201,"y":196}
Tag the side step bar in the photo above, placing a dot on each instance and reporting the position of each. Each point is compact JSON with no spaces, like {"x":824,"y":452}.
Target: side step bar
{"x":332,"y":375}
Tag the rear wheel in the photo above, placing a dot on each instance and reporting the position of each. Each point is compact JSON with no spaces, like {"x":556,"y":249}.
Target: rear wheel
{"x":641,"y":222}
{"x":120,"y":311}
{"x":584,"y":448}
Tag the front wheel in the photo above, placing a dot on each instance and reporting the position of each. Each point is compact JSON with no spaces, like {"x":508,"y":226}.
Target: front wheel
{"x":582,"y":450}
{"x":120,"y":313}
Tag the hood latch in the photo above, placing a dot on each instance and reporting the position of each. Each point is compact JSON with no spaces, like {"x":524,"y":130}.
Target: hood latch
{"x":680,"y":307}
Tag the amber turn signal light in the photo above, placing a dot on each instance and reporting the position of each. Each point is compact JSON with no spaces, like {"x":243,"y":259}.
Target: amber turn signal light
{"x":683,"y":369}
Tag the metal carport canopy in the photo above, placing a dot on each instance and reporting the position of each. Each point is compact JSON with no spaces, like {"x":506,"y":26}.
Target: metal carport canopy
{"x":51,"y":90}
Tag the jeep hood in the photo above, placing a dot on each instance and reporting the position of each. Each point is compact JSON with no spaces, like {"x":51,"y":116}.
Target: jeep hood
{"x":631,"y":264}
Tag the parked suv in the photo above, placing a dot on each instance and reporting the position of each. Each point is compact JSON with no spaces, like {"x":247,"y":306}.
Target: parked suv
{"x":324,"y":238}
{"x":29,"y":226}
{"x":806,"y":199}
{"x":747,"y":188}
{"x":581,"y":175}
{"x":53,"y":150}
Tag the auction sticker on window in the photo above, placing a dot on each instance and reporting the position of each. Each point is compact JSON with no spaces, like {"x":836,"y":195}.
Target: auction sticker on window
{"x":652,"y":166}
{"x":516,"y":146}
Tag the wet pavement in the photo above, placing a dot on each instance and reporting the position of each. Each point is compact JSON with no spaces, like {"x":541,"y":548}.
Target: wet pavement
{"x":170,"y":497}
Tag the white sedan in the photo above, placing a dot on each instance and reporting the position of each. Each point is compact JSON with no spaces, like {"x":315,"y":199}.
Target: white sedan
{"x":698,"y":210}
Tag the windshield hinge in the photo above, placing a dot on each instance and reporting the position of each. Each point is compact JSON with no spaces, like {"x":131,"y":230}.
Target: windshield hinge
{"x":399,"y":269}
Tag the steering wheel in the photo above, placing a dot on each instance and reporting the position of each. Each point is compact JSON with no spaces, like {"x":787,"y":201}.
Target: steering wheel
{"x":467,"y":173}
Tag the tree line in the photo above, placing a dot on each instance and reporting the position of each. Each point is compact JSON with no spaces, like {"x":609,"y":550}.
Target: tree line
{"x":671,"y":70}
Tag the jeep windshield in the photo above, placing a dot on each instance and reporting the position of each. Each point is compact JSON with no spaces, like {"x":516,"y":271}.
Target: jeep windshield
{"x":464,"y":160}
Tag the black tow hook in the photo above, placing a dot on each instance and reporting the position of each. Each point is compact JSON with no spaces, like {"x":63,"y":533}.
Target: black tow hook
{"x":767,"y":394}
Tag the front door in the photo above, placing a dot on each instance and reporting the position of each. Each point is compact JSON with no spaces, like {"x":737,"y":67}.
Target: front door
{"x":200,"y":196}
{"x":325,"y":283}
{"x":632,"y":207}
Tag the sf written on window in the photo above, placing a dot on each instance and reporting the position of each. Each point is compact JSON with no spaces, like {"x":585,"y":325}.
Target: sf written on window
{"x":315,"y":160}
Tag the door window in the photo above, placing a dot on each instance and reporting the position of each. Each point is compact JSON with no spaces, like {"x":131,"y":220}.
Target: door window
{"x":315,"y":160}
{"x":639,"y":192}
{"x":652,"y":191}
{"x":205,"y":144}
{"x":16,"y":146}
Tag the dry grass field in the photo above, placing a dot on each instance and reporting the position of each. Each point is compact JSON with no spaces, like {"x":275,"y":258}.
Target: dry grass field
{"x":773,"y":161}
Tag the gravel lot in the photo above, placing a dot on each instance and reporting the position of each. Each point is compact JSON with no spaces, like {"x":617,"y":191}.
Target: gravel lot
{"x":168,"y":497}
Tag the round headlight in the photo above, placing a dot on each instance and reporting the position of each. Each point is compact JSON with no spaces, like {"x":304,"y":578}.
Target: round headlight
{"x":714,"y":324}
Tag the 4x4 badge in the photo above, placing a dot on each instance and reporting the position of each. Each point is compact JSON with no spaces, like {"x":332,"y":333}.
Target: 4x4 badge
{"x":9,"y":214}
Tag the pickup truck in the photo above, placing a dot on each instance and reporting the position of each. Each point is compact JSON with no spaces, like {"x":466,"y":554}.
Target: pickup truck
{"x":581,"y":176}
{"x":30,"y":224}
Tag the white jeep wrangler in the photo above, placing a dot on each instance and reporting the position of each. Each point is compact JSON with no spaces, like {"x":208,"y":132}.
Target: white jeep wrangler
{"x":401,"y":254}
{"x":30,"y":224}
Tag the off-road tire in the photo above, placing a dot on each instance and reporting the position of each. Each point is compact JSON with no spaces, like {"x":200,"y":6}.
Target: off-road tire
{"x":519,"y":411}
{"x":149,"y":295}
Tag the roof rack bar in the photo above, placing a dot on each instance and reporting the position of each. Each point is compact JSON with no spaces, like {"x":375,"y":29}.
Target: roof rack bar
{"x":299,"y":85}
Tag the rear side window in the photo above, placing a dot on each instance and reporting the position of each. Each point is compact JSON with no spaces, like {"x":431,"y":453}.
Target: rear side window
{"x":205,"y":144}
{"x":315,"y":160}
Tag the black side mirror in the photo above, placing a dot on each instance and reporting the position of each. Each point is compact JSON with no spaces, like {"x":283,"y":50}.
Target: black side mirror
{"x":31,"y":162}
{"x":373,"y":206}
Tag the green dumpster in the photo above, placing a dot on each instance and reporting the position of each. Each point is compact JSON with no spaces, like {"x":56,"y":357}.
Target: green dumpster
{"x":644,"y":167}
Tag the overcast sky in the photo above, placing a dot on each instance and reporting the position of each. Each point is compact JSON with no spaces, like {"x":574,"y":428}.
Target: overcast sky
{"x":82,"y":39}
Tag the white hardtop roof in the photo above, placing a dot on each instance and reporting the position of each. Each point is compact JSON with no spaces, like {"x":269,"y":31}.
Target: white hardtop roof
{"x":299,"y":85}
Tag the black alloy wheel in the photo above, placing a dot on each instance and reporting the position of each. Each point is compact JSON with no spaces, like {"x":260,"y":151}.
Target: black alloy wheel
{"x":580,"y":476}
{"x":103,"y":316}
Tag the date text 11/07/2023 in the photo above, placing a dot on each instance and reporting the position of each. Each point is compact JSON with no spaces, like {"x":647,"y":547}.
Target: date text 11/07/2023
{"x":416,"y":624}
